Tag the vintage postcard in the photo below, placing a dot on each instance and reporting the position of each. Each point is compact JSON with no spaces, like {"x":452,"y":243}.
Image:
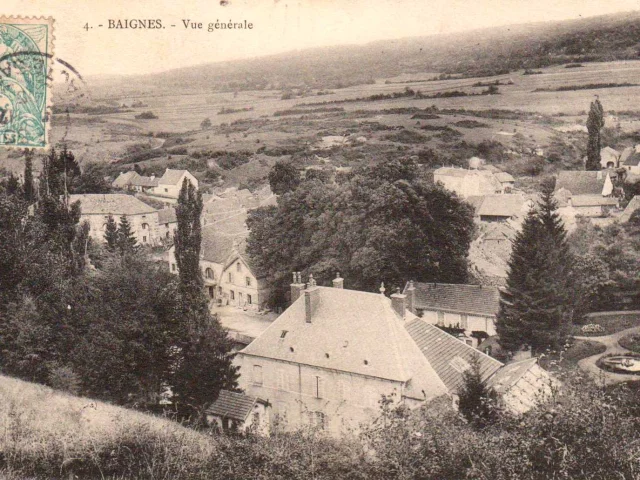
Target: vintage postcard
{"x":320,"y":239}
{"x":26,"y":49}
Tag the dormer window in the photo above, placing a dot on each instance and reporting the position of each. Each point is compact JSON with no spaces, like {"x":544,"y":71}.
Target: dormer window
{"x":238,"y":267}
{"x":284,"y":333}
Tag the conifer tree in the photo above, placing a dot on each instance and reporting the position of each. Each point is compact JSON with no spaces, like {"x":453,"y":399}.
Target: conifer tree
{"x":111,"y":234}
{"x":28,"y":187}
{"x":126,"y":240}
{"x":536,"y":308}
{"x":595,"y":122}
{"x":477,"y":402}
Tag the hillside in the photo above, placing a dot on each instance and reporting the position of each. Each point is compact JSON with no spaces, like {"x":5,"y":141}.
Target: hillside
{"x":475,"y":53}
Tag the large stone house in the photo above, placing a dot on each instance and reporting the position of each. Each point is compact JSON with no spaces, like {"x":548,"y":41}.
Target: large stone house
{"x":329,"y":359}
{"x":96,"y":209}
{"x":472,"y":308}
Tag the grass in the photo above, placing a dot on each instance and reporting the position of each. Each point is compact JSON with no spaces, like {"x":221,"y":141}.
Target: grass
{"x":569,"y":358}
{"x":631,"y":342}
{"x":611,"y":323}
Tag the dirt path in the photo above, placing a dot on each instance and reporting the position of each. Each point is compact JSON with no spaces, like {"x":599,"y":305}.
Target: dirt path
{"x":611,"y":342}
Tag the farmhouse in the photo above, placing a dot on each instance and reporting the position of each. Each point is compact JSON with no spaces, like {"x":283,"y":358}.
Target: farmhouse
{"x":585,"y":193}
{"x":134,"y":182}
{"x":630,"y":159}
{"x":500,"y":208}
{"x":331,"y":356}
{"x":239,"y":283}
{"x":469,"y":182}
{"x":96,"y":209}
{"x":472,"y":308}
{"x":170,"y":183}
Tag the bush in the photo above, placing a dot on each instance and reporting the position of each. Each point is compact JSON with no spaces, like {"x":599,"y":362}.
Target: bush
{"x":592,"y":328}
{"x":147,"y":116}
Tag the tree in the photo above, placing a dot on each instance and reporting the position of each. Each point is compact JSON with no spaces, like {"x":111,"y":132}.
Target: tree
{"x":477,"y":402}
{"x":111,"y":234}
{"x":205,"y":124}
{"x":28,"y":186}
{"x":283,"y":178}
{"x":126,"y":239}
{"x":385,"y":223}
{"x":187,"y":239}
{"x":595,"y":122}
{"x":203,"y":365}
{"x":537,"y":308}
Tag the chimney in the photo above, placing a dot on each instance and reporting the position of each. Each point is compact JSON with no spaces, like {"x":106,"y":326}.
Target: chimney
{"x":296,"y":287}
{"x":398,"y":303}
{"x":411,"y":293}
{"x":338,"y":282}
{"x":311,"y":297}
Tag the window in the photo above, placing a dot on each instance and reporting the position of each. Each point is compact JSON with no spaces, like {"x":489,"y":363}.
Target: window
{"x":173,"y":267}
{"x":318,"y":387}
{"x":144,"y":239}
{"x":284,"y":333}
{"x":249,"y":300}
{"x":219,"y":290}
{"x":238,"y":266}
{"x":440,"y":318}
{"x":230,"y":278}
{"x":166,"y":190}
{"x":145,"y":226}
{"x":248,"y":281}
{"x":211,"y":292}
{"x":257,"y":375}
{"x":166,"y":225}
{"x":209,"y":273}
{"x":317,"y":419}
{"x":463,"y":321}
{"x":240,"y":297}
{"x":233,"y":295}
{"x":167,"y":235}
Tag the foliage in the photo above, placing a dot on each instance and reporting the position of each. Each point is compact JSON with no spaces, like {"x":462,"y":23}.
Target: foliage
{"x":187,"y":239}
{"x":537,"y":309}
{"x":385,"y":222}
{"x":111,"y":234}
{"x":631,"y":342}
{"x":126,"y":241}
{"x":595,"y":122}
{"x":205,"y":124}
{"x":283,"y":177}
{"x":477,"y":402}
{"x":28,"y":186}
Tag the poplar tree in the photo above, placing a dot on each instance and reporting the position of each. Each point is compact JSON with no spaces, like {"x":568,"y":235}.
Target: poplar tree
{"x":595,"y":122}
{"x":111,"y":234}
{"x":536,"y":308}
{"x":187,"y":239}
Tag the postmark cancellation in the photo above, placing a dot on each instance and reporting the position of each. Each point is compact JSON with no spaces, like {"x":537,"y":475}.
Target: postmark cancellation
{"x":26,"y":51}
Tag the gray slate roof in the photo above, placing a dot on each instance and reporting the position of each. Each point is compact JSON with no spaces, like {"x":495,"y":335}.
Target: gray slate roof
{"x":115,"y":204}
{"x":167,"y":215}
{"x":580,"y":182}
{"x":461,"y":298}
{"x":216,"y":245}
{"x":632,"y":160}
{"x":123,"y":179}
{"x":171,"y":177}
{"x":509,"y":375}
{"x":236,"y":406}
{"x":447,"y":355}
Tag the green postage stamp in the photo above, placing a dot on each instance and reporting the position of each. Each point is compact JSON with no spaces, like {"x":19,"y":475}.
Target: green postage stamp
{"x":26,"y":50}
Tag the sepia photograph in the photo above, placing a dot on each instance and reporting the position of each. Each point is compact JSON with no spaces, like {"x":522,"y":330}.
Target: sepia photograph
{"x":320,"y":239}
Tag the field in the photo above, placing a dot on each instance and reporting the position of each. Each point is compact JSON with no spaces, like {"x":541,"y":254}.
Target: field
{"x":510,"y":124}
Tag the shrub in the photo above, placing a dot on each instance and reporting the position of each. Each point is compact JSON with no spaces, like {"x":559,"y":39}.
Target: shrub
{"x":592,"y":328}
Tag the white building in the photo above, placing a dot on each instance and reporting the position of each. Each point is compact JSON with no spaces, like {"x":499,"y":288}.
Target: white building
{"x":469,"y":182}
{"x":96,"y":209}
{"x":170,"y":183}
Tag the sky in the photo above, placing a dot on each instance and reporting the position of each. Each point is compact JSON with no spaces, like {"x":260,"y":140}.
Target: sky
{"x":278,"y":26}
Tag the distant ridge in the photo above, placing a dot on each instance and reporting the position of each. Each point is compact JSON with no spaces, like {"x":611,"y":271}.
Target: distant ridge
{"x":485,"y":52}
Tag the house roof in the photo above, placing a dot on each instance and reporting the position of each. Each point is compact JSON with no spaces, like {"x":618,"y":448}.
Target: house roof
{"x":498,"y":231}
{"x":350,"y":331}
{"x":469,"y":299}
{"x":592,"y":201}
{"x":167,"y":215}
{"x":504,"y":177}
{"x":507,"y":205}
{"x":111,"y":204}
{"x":631,"y":207}
{"x":216,"y":245}
{"x":171,"y":177}
{"x":448,"y":356}
{"x":142,"y":181}
{"x":632,"y":160}
{"x":626,"y":153}
{"x":507,"y":376}
{"x":239,"y":251}
{"x":236,"y":406}
{"x":580,"y":182}
{"x":123,"y":179}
